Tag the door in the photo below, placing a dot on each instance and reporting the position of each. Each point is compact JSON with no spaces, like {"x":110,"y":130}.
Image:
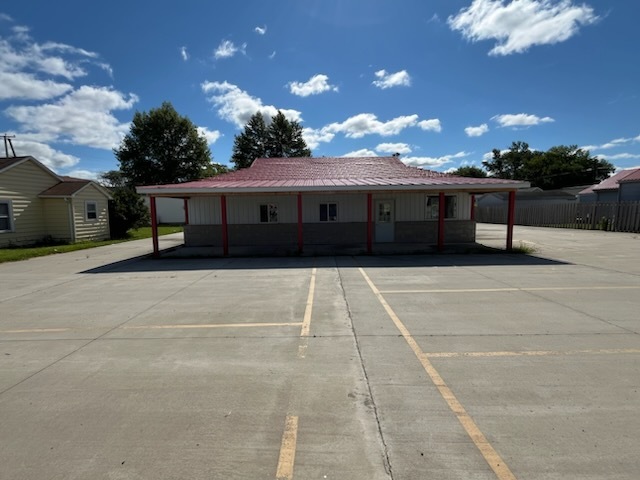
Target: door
{"x":385,"y":218}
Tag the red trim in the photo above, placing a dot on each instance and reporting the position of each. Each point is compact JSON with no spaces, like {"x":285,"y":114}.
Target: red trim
{"x":154,"y":227}
{"x":300,"y":231}
{"x":369,"y":223}
{"x":511,"y":215}
{"x":473,"y":207}
{"x":186,"y":211}
{"x":441,"y":213}
{"x":225,"y":229}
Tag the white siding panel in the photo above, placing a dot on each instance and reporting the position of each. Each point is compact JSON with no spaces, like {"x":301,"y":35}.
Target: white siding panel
{"x":246,"y":210}
{"x":204,"y":211}
{"x":351,"y":207}
{"x":56,"y":212}
{"x":97,"y":229}
{"x":410,"y":207}
{"x":22,"y":184}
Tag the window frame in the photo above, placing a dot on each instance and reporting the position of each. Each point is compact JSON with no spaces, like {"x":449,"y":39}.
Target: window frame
{"x":268,"y":207}
{"x":86,"y":210}
{"x":432,"y":212}
{"x":10,"y":224}
{"x":327,"y":206}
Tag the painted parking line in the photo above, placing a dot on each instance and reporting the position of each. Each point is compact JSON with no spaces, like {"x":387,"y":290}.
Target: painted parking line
{"x":159,"y":327}
{"x":306,"y":322}
{"x":37,"y":330}
{"x":288,"y":449}
{"x":512,"y":289}
{"x":534,"y":353}
{"x":499,"y":467}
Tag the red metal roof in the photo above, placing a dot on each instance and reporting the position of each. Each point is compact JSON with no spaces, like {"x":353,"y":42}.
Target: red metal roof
{"x":612,"y":183}
{"x":329,"y":172}
{"x":634,"y":176}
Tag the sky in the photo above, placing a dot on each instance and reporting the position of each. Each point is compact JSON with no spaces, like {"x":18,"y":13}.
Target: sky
{"x":441,"y":82}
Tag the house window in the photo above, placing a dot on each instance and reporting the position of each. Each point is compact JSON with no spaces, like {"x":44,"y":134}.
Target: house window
{"x":433,"y":207}
{"x":328,"y":212}
{"x":6,"y":216}
{"x":269,"y":213}
{"x":92,"y":210}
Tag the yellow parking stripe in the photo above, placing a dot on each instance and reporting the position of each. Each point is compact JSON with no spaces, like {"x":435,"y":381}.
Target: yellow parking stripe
{"x":512,"y":289}
{"x":533,"y":353}
{"x":306,"y":322}
{"x":288,"y":449}
{"x":492,"y":457}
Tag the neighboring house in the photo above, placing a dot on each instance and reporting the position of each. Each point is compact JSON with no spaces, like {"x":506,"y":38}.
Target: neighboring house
{"x":531,"y":196}
{"x":287,"y":204}
{"x":620,"y":187}
{"x":37,"y":204}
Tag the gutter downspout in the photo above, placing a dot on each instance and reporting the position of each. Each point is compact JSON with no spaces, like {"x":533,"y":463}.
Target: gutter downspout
{"x":72,"y":220}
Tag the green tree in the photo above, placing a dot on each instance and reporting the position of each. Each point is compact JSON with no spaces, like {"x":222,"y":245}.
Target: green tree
{"x":470,"y":171}
{"x":560,"y":166}
{"x":281,"y":138}
{"x":163,"y":147}
{"x":127,"y":209}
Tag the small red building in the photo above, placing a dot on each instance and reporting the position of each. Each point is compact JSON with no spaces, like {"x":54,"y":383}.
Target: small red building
{"x":295,"y":205}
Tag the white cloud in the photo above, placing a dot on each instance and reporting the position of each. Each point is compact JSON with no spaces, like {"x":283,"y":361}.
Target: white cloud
{"x":388,"y":80}
{"x":6,"y":18}
{"x":82,"y":117}
{"x":612,"y":144}
{"x":51,"y":157}
{"x":228,"y":49}
{"x":81,"y":173}
{"x":620,"y":156}
{"x":432,"y":125}
{"x":521,"y":24}
{"x":314,"y":86}
{"x":367,"y":124}
{"x":211,"y":136}
{"x":477,"y":131}
{"x":521,"y":120}
{"x":313,"y":137}
{"x":272,"y":56}
{"x":363,"y":152}
{"x":260,"y":30}
{"x":401,"y":148}
{"x":184,"y":54}
{"x":237,"y":106}
{"x":433,"y":162}
{"x":19,"y":85}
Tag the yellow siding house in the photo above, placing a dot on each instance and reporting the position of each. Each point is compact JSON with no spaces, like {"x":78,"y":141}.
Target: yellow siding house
{"x":36,"y":204}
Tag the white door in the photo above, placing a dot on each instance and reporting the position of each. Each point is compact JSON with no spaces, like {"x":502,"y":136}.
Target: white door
{"x":385,"y":218}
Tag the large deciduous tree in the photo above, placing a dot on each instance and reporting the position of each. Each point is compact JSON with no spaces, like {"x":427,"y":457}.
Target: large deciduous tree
{"x":280,"y":138}
{"x":127,"y":209}
{"x":470,"y":171}
{"x":163,"y":147}
{"x":560,"y":166}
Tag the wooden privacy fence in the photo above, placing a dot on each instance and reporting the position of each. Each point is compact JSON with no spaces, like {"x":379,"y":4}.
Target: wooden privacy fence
{"x":615,"y":217}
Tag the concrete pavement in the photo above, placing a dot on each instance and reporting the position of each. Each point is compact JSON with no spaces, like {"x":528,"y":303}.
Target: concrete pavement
{"x":390,"y":367}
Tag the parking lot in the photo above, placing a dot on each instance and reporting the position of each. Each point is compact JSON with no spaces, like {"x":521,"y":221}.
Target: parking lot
{"x":439,"y":366}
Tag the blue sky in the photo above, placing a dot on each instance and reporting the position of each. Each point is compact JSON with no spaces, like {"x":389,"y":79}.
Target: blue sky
{"x":442,"y":82}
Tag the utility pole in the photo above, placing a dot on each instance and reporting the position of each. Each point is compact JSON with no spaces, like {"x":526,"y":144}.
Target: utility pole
{"x":7,"y":144}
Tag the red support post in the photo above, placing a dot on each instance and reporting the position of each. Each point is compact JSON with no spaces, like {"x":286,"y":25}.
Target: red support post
{"x":511,"y":215}
{"x":225,"y":229}
{"x":154,"y":227}
{"x":473,"y":207}
{"x":186,"y":211}
{"x":441,"y":213}
{"x":369,"y":223}
{"x":300,"y":230}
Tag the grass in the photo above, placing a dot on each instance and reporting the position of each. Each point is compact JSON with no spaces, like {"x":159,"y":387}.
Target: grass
{"x":14,"y":254}
{"x":524,"y":248}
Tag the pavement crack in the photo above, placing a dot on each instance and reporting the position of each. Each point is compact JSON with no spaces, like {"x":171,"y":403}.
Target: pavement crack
{"x":385,"y":449}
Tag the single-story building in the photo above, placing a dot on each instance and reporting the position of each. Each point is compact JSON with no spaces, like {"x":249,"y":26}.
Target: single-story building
{"x":532,"y":196}
{"x":623,"y":186}
{"x":293,"y":204}
{"x":36,"y":204}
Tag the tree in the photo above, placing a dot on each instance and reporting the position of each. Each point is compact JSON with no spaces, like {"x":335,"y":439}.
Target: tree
{"x":470,"y":171}
{"x":560,"y":166}
{"x":127,"y":209}
{"x":281,"y":138}
{"x":162,"y":147}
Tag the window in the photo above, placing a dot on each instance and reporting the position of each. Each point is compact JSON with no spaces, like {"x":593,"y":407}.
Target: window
{"x":433,"y":207}
{"x":92,"y":210}
{"x":269,"y":213}
{"x":328,"y":212}
{"x":6,"y":216}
